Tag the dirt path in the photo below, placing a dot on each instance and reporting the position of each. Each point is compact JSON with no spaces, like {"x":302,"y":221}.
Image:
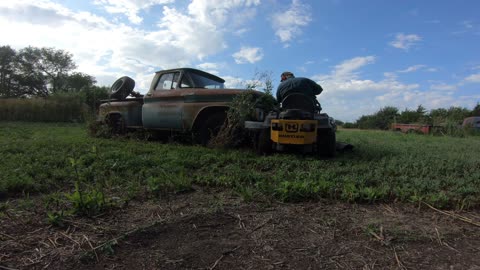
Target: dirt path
{"x":215,"y":230}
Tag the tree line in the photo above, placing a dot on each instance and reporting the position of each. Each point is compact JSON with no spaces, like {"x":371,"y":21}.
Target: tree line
{"x":383,"y":118}
{"x":34,"y":72}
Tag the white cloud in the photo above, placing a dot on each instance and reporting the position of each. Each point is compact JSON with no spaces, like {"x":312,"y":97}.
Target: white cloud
{"x":208,"y":65}
{"x":467,"y":24}
{"x":234,"y":82}
{"x":345,"y":78}
{"x":240,"y":32}
{"x":287,"y":24}
{"x":215,"y":12}
{"x":248,"y":55}
{"x":108,"y":50}
{"x":347,"y":95}
{"x":390,"y":75}
{"x":443,"y":87}
{"x":412,"y":68}
{"x":187,"y":33}
{"x":405,"y":42}
{"x":346,"y":68}
{"x":130,"y":8}
{"x":474,"y":78}
{"x":211,"y":67}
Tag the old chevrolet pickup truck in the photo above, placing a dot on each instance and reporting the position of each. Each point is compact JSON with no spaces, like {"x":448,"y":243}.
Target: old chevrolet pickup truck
{"x":179,"y":100}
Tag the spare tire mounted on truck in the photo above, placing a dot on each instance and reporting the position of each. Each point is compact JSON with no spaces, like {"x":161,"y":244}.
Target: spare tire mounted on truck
{"x":122,"y":87}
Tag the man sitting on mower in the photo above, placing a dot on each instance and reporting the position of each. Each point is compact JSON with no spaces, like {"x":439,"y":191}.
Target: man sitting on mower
{"x":289,"y":85}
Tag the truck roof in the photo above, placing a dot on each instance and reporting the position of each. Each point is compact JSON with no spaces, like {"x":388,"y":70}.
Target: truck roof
{"x":192,"y":70}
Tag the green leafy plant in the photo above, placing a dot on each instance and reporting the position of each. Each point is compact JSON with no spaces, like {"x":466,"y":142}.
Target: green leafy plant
{"x":3,"y":208}
{"x":167,"y":183}
{"x":87,"y":202}
{"x":56,"y":218}
{"x":246,"y":192}
{"x":99,"y":129}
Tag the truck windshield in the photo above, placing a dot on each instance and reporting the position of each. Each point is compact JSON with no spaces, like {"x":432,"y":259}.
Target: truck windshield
{"x":204,"y":82}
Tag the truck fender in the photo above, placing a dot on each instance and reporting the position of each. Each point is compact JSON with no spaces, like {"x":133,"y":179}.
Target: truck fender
{"x":203,"y":115}
{"x":208,"y":123}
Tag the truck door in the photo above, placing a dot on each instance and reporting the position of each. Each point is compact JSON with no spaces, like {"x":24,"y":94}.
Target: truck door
{"x":162,"y":108}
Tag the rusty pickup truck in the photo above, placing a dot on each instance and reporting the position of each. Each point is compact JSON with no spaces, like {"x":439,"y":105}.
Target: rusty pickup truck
{"x":179,"y":100}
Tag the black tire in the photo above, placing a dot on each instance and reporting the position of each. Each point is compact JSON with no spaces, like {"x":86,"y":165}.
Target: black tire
{"x":326,"y":143}
{"x":116,"y":124}
{"x":211,"y":127}
{"x":264,"y":143}
{"x":122,"y":87}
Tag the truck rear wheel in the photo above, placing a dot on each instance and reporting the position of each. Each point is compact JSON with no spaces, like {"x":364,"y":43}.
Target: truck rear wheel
{"x":211,"y":127}
{"x":326,"y":143}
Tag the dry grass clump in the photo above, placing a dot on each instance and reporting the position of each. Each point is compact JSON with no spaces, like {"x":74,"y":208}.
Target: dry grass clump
{"x":52,"y":109}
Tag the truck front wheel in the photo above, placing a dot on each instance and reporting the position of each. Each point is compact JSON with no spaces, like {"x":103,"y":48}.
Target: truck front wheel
{"x":116,"y":124}
{"x":211,"y":127}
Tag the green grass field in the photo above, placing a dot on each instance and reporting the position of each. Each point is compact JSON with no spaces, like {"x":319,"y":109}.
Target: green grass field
{"x":61,"y":159}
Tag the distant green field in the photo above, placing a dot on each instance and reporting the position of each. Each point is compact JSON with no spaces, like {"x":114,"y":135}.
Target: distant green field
{"x":384,"y":167}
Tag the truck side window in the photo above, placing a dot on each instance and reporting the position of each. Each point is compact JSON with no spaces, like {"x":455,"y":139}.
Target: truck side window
{"x":186,"y":82}
{"x":175,"y":80}
{"x":167,"y":81}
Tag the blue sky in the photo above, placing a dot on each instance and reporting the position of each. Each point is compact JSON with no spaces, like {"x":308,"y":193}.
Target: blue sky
{"x":365,"y":54}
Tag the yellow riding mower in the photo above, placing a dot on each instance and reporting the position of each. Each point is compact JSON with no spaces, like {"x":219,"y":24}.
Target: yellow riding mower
{"x":298,"y":126}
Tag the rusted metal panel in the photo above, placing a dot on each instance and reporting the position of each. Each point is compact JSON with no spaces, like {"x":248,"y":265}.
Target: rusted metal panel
{"x":131,"y":111}
{"x":406,"y":128}
{"x":178,"y":108}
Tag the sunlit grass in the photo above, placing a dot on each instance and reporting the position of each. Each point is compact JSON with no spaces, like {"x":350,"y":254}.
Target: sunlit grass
{"x":384,"y":166}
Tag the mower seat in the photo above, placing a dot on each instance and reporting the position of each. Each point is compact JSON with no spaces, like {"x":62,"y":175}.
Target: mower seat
{"x":300,"y":101}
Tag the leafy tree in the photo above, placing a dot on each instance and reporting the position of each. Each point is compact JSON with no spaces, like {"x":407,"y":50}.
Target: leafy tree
{"x":408,"y":117}
{"x":7,"y":71}
{"x":421,"y":110}
{"x":93,"y":95}
{"x":366,"y":122}
{"x":457,"y":114}
{"x":385,"y":117}
{"x":43,"y":70}
{"x":476,"y":110}
{"x":350,"y":125}
{"x":77,"y":82}
{"x":339,"y":122}
{"x":438,"y":116}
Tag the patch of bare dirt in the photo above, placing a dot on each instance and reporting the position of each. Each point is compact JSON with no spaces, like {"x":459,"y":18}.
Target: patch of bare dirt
{"x":211,"y":229}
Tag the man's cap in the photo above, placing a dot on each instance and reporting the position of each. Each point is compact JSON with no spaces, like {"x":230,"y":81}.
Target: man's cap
{"x":287,"y":74}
